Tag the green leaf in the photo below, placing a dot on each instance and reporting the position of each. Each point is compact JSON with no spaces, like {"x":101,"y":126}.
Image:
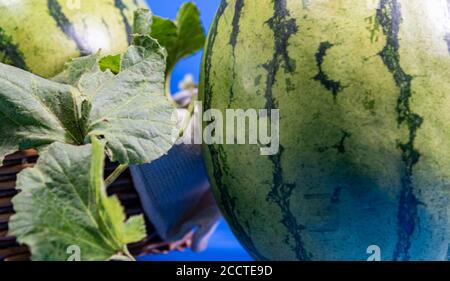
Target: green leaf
{"x":142,"y":21}
{"x":58,"y":208}
{"x":141,"y":30}
{"x":129,"y":110}
{"x":35,"y":112}
{"x":134,"y":230}
{"x":110,"y":62}
{"x":191,"y":36}
{"x":78,"y":67}
{"x":166,"y":32}
{"x":181,"y":38}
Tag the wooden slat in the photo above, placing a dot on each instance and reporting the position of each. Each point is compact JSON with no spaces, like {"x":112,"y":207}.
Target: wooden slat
{"x":127,"y":197}
{"x":21,"y":155}
{"x":8,"y":193}
{"x":133,"y":211}
{"x":5,"y":185}
{"x":5,"y":201}
{"x":6,"y":209}
{"x":8,"y":170}
{"x":3,"y":226}
{"x":4,"y":218}
{"x":20,"y":257}
{"x":8,"y":242}
{"x":10,"y":177}
{"x":13,"y":251}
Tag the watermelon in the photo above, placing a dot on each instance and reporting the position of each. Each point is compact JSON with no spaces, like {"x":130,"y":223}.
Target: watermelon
{"x":41,"y":35}
{"x":363,"y":93}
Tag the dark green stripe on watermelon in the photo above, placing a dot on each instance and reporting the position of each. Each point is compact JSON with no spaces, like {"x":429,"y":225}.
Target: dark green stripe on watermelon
{"x":122,"y":7}
{"x":333,"y":86}
{"x":10,"y":51}
{"x":283,"y":27}
{"x":67,"y":27}
{"x":209,"y":52}
{"x":389,"y":17}
{"x":216,"y":152}
{"x":239,"y":5}
{"x":339,"y":146}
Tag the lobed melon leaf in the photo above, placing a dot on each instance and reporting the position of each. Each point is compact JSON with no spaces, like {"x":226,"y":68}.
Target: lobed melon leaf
{"x":76,"y":213}
{"x":129,"y":110}
{"x":181,"y":38}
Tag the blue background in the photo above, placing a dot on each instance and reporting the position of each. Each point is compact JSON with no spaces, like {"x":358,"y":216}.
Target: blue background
{"x":223,"y":246}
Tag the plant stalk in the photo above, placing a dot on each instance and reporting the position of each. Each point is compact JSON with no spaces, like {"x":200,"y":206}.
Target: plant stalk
{"x":128,"y":254}
{"x":122,"y":257}
{"x":115,"y":174}
{"x":188,"y":117}
{"x":167,"y":89}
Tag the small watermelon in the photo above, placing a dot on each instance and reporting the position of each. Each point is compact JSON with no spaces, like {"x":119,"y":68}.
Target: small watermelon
{"x":363,"y":92}
{"x":41,"y":35}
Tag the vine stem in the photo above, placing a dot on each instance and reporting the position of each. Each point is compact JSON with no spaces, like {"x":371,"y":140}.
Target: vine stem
{"x":167,"y":90}
{"x":122,"y":168}
{"x":191,"y":107}
{"x":115,"y":174}
{"x":125,"y":256}
{"x":128,"y":254}
{"x":188,"y":117}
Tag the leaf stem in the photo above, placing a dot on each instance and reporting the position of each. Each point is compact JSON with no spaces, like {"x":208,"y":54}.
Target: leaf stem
{"x":122,"y":257}
{"x":188,"y":117}
{"x":167,"y":89}
{"x":115,"y":174}
{"x":191,"y":107}
{"x":128,"y":254}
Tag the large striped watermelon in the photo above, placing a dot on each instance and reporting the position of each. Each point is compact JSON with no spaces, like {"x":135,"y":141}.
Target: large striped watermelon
{"x":363,"y":89}
{"x":41,"y":35}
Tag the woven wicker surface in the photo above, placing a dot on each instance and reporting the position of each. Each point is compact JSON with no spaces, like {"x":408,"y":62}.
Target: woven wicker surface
{"x":123,"y":187}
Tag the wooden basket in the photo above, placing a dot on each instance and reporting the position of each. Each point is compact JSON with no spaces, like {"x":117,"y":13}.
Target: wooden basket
{"x":123,"y":187}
